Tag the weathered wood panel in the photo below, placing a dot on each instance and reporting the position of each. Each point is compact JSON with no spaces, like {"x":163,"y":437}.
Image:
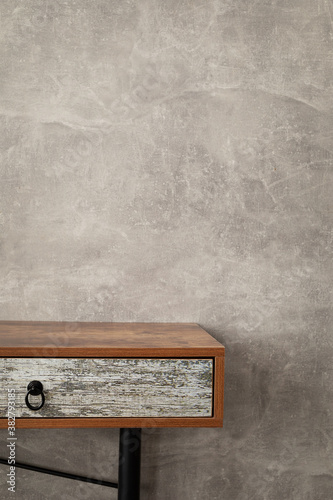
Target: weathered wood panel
{"x":110,"y":387}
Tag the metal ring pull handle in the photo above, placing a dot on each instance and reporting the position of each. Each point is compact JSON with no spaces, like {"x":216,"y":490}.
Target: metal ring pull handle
{"x":35,"y":388}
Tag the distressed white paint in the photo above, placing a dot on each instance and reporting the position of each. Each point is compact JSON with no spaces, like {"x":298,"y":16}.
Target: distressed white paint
{"x":110,"y":387}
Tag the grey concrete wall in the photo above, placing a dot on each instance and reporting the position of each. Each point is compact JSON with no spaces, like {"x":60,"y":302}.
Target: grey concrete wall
{"x":172,"y":161}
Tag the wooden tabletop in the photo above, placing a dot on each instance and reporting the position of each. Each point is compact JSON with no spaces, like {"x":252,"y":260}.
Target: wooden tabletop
{"x":87,"y":339}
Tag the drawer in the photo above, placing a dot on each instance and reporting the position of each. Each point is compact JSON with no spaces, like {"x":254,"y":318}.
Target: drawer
{"x":111,"y":387}
{"x":102,"y":374}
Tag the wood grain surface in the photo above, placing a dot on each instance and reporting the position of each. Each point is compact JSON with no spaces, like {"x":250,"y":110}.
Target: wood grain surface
{"x":70,"y":339}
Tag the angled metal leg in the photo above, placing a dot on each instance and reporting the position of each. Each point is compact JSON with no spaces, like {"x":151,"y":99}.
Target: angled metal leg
{"x":67,"y":475}
{"x":129,"y":464}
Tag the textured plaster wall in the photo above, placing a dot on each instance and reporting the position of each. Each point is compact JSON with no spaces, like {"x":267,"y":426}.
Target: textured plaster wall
{"x":172,"y":161}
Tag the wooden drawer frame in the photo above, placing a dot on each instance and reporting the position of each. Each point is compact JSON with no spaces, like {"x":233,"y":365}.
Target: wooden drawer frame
{"x":115,"y":340}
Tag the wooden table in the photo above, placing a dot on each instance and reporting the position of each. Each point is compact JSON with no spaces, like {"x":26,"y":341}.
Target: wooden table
{"x":124,"y":375}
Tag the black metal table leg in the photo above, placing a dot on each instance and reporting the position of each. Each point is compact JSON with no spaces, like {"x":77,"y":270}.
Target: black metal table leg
{"x":129,"y":464}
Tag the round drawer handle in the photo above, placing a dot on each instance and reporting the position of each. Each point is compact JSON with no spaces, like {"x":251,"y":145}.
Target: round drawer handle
{"x":35,"y":388}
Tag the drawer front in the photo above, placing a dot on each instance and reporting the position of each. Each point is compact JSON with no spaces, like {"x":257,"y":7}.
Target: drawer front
{"x":110,"y":387}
